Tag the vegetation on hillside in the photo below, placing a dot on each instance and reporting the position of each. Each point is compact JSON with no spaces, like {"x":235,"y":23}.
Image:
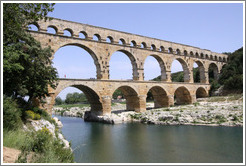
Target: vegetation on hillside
{"x":232,"y":73}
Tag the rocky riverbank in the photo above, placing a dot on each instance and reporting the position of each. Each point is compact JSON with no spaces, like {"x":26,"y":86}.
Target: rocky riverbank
{"x":224,"y":111}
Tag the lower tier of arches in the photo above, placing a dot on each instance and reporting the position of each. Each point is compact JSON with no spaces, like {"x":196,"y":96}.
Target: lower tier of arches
{"x":99,"y":93}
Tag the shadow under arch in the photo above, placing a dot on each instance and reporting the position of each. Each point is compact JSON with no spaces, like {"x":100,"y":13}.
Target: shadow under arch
{"x":213,"y":72}
{"x":201,"y":70}
{"x":162,"y":66}
{"x":131,"y":96}
{"x":185,"y":67}
{"x":182,"y":96}
{"x":133,"y":62}
{"x":201,"y":93}
{"x":91,"y":96}
{"x":160,"y":97}
{"x":93,"y":55}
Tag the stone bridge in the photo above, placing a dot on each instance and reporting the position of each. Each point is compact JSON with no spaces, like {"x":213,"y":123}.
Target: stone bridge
{"x":101,"y":43}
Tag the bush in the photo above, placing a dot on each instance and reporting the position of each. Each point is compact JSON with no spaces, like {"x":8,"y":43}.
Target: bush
{"x":11,"y":114}
{"x":29,"y":114}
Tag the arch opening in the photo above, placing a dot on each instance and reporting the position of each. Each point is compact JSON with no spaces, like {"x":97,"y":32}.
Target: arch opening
{"x":182,"y":96}
{"x":83,"y":35}
{"x":178,"y":52}
{"x":122,"y":42}
{"x":96,"y":37}
{"x":153,"y":47}
{"x":156,"y":98}
{"x":180,"y":71}
{"x":123,"y":66}
{"x":143,"y":45}
{"x":213,"y":72}
{"x":128,"y":95}
{"x":33,"y":27}
{"x":70,"y":63}
{"x":185,"y":53}
{"x":68,"y":32}
{"x":170,"y":50}
{"x":162,"y":49}
{"x":133,"y":44}
{"x":79,"y":95}
{"x":154,"y":68}
{"x":109,"y":39}
{"x":201,"y":93}
{"x":199,"y":72}
{"x":52,"y":29}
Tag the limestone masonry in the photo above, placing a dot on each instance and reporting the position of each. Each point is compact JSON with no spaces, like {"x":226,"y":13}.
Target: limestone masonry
{"x":137,"y":48}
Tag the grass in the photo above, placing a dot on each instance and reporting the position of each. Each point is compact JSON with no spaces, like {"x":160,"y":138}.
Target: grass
{"x":14,"y":139}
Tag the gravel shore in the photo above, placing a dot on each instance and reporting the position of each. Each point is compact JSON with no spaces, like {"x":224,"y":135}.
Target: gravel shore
{"x":213,"y":111}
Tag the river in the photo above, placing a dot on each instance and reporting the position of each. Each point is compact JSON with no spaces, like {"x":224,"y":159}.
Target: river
{"x":141,"y":143}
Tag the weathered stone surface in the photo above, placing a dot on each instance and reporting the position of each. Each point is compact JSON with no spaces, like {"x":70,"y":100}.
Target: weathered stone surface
{"x":99,"y":91}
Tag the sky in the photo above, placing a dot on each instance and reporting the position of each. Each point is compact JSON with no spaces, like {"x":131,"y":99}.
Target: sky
{"x":214,"y":26}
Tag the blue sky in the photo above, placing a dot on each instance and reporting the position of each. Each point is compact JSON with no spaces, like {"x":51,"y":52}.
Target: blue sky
{"x":214,"y":26}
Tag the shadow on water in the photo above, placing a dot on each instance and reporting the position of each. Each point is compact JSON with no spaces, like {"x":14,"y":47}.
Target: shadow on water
{"x":139,"y":143}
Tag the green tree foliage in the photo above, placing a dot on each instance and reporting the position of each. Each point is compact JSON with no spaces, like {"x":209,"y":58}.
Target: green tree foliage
{"x":232,"y":73}
{"x":27,"y":66}
{"x":11,"y":114}
{"x":74,"y":98}
{"x":117,"y":93}
{"x":58,"y":101}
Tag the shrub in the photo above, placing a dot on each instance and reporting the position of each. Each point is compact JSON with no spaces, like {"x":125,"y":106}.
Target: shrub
{"x":29,"y":114}
{"x":11,"y":114}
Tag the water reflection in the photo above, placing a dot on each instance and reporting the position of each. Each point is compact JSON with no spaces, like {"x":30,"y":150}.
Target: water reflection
{"x":134,"y":142}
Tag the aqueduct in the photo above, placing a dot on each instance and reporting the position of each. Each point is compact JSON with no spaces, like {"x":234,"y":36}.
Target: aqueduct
{"x":137,"y":48}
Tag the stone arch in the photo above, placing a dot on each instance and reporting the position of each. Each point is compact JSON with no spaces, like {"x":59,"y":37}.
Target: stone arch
{"x":69,"y":30}
{"x":143,"y":45}
{"x":206,"y":56}
{"x":211,"y":57}
{"x":122,"y":42}
{"x":185,"y":53}
{"x":110,"y":39}
{"x":162,"y":66}
{"x":182,"y":96}
{"x":133,"y":62}
{"x":178,"y":52}
{"x":201,"y":69}
{"x":162,"y":49}
{"x":202,"y":55}
{"x":36,"y":25}
{"x":92,"y":96}
{"x":185,"y":69}
{"x":170,"y":50}
{"x":131,"y":96}
{"x":53,"y":27}
{"x":191,"y":53}
{"x":201,"y":92}
{"x":215,"y":58}
{"x":153,"y":47}
{"x":213,"y":71}
{"x":83,"y":33}
{"x":220,"y":59}
{"x":160,"y":96}
{"x":133,"y":43}
{"x":97,"y":37}
{"x":93,"y":55}
{"x":197,"y":55}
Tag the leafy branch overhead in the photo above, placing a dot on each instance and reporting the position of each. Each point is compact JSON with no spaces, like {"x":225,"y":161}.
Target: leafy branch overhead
{"x":27,"y":68}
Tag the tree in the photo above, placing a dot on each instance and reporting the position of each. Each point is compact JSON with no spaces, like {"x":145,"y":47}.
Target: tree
{"x":73,"y":98}
{"x":27,"y":68}
{"x":232,"y":73}
{"x":58,"y":101}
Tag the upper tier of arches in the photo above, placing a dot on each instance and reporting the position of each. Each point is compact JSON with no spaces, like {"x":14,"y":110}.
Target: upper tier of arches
{"x":98,"y":34}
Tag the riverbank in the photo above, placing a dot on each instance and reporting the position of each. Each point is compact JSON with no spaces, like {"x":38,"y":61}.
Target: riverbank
{"x":37,"y":141}
{"x":213,"y":111}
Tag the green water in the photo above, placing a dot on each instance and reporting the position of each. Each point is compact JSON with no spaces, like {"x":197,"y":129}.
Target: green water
{"x":140,"y":143}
